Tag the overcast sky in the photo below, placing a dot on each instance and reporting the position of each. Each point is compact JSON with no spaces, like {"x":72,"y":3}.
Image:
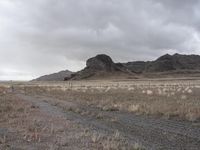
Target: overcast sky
{"x":38,"y":37}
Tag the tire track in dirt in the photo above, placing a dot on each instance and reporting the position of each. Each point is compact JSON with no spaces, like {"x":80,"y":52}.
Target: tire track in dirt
{"x":151,"y":132}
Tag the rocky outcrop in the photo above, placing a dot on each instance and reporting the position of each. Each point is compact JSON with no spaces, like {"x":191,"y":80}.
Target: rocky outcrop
{"x":101,"y":63}
{"x":100,"y":66}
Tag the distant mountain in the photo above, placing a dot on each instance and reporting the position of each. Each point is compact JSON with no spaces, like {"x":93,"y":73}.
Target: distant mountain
{"x":102,"y":66}
{"x":55,"y":76}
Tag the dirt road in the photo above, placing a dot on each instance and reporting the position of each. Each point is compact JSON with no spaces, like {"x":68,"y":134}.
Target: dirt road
{"x":153,"y":133}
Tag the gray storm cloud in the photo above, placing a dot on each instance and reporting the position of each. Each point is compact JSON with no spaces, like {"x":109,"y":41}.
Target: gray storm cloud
{"x":43,"y":36}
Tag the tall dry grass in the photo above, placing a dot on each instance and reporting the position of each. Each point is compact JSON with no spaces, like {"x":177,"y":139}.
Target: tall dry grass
{"x":161,"y":99}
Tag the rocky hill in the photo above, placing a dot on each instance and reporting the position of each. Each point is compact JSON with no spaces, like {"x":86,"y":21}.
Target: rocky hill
{"x":102,"y":66}
{"x":176,"y":62}
{"x":60,"y":76}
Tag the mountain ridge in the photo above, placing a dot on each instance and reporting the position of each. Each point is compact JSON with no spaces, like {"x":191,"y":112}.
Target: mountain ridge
{"x":103,"y":66}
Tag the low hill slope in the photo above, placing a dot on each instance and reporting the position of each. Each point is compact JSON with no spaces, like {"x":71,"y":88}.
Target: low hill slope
{"x":59,"y":76}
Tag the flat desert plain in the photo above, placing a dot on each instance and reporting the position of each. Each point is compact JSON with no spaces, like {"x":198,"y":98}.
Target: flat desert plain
{"x":101,"y":114}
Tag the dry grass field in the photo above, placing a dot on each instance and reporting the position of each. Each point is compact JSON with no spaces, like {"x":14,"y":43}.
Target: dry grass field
{"x":131,"y":114}
{"x":167,"y":98}
{"x":26,"y":125}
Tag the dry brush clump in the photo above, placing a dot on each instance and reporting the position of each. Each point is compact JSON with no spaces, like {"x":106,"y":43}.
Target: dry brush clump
{"x":112,"y":141}
{"x":12,"y":113}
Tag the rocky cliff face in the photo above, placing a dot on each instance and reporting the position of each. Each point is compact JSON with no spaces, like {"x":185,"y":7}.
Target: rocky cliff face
{"x":101,"y":63}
